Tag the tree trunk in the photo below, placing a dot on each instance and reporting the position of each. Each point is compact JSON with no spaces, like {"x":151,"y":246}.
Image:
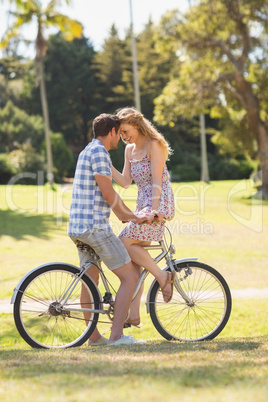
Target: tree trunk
{"x":263,"y":156}
{"x":203,"y":143}
{"x":256,"y":125}
{"x":50,"y":176}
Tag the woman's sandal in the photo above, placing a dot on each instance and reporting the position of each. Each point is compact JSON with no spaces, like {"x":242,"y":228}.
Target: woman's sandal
{"x":167,"y":296}
{"x":133,"y":323}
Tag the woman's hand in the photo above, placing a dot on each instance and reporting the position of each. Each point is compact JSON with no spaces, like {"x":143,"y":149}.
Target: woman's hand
{"x":158,"y":216}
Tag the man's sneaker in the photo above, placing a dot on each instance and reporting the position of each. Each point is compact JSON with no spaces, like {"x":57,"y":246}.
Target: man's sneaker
{"x":126,"y":340}
{"x":100,"y":342}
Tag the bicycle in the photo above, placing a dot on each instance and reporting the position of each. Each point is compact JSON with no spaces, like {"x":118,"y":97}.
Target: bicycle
{"x":48,"y":312}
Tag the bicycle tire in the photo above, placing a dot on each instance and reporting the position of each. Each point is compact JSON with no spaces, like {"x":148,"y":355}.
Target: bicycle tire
{"x":208,"y":313}
{"x":36,"y":319}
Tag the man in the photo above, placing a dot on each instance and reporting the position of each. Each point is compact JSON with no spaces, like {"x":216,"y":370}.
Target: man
{"x":93,"y":198}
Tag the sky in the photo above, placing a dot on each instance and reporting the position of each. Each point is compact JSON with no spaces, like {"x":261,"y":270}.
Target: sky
{"x":97,"y":16}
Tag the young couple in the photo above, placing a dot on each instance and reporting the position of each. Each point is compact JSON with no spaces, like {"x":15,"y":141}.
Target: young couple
{"x":93,"y":198}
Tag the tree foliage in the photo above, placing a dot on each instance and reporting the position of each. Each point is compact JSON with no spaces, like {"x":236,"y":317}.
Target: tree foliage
{"x":72,"y":95}
{"x":17,"y":127}
{"x":62,"y":155}
{"x":115,"y":72}
{"x":44,"y":16}
{"x":155,"y":67}
{"x":222,"y":45}
{"x":211,"y":60}
{"x":25,"y":160}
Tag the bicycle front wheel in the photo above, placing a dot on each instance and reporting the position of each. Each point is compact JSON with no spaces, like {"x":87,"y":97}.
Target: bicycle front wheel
{"x":205,"y":312}
{"x":39,"y":316}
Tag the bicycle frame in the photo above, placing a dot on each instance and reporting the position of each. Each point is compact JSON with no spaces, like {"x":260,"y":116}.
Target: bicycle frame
{"x":47,"y":301}
{"x":165,"y":253}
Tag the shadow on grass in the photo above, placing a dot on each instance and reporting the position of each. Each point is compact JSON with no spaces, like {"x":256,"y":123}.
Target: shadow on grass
{"x":10,"y":336}
{"x":159,"y":347}
{"x":216,"y":363}
{"x":19,"y":226}
{"x":188,"y":366}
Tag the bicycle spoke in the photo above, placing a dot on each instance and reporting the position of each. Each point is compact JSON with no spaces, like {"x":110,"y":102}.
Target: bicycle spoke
{"x":206,"y":311}
{"x":39,"y":316}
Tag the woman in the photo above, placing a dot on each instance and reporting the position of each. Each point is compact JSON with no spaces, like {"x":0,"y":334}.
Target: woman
{"x":145,"y":163}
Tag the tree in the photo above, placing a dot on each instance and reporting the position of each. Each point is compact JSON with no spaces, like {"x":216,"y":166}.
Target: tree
{"x":73,"y":96}
{"x":12,"y":71}
{"x":223,"y":46}
{"x":28,"y":11}
{"x":115,"y":83}
{"x":155,"y":67}
{"x":115,"y":72}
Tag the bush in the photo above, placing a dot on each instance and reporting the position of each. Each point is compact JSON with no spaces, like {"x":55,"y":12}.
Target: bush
{"x":26,"y":160}
{"x":6,"y":169}
{"x":219,"y":168}
{"x":63,"y":159}
{"x":230,"y":168}
{"x":246,"y":168}
{"x":188,"y":169}
{"x":16,"y":126}
{"x":185,"y":173}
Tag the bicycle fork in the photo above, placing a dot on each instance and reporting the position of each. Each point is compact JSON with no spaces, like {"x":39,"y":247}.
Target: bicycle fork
{"x":177,"y":284}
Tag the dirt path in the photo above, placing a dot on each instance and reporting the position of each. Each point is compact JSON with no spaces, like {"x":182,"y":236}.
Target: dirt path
{"x":248,"y":293}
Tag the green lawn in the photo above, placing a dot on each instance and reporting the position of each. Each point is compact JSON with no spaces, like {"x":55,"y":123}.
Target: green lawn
{"x":230,"y":370}
{"x":221,"y":225}
{"x":229,"y":235}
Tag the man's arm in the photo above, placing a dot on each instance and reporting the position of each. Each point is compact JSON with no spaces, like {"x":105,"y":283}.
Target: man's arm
{"x":114,"y":200}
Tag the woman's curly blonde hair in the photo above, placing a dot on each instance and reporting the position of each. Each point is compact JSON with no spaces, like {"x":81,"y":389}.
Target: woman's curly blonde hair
{"x":130,"y":115}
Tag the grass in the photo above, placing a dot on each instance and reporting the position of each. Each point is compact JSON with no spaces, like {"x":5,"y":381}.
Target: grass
{"x":222,"y":225}
{"x":218,"y":371}
{"x":232,"y":367}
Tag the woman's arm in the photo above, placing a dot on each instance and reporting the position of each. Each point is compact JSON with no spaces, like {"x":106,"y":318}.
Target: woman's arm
{"x":158,"y":159}
{"x":115,"y":201}
{"x":124,"y":179}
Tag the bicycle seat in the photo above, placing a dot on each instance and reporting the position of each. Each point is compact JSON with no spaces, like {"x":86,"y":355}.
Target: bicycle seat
{"x":83,"y":247}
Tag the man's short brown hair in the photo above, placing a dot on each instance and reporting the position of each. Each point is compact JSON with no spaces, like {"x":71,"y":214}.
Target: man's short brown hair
{"x":104,"y":123}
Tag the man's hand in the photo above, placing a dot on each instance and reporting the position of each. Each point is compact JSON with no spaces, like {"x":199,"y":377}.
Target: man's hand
{"x":142,"y":218}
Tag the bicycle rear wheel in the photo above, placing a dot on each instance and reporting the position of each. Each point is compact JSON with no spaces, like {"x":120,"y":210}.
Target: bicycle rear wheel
{"x":206,"y":313}
{"x":39,"y":318}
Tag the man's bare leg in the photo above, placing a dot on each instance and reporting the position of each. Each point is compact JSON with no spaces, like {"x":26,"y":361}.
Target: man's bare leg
{"x":134,"y":312}
{"x":85,"y":300}
{"x":128,"y":276}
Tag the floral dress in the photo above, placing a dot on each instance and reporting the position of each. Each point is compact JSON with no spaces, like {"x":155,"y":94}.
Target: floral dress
{"x":141,"y":174}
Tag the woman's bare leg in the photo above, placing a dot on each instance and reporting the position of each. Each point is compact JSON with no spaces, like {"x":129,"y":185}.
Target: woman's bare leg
{"x":141,"y":257}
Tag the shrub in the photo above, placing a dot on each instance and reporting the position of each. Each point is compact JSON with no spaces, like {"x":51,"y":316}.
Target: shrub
{"x":63,"y":159}
{"x":6,"y":169}
{"x":220,"y":168}
{"x":230,"y":168}
{"x":188,"y":169}
{"x":184,"y":173}
{"x":26,"y":160}
{"x":17,"y":126}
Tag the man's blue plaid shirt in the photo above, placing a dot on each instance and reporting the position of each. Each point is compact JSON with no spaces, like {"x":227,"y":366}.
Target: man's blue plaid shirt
{"x":88,"y":208}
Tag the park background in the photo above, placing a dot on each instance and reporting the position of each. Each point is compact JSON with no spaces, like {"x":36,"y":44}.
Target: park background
{"x":211,"y":60}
